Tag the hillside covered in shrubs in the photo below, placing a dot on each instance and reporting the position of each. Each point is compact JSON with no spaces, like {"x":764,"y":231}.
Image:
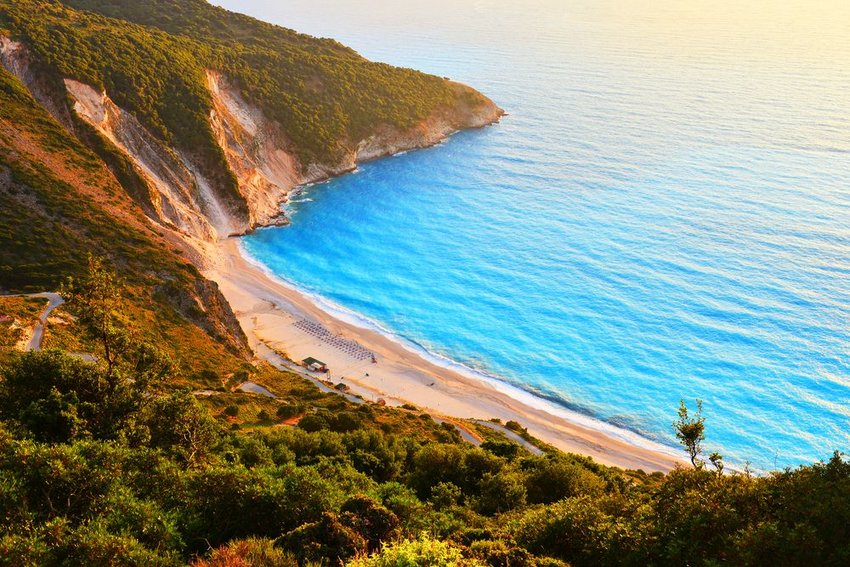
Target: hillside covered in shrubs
{"x":109,"y":463}
{"x":151,"y":58}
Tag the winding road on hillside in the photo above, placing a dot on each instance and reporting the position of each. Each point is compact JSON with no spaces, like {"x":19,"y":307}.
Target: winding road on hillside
{"x":54,"y":300}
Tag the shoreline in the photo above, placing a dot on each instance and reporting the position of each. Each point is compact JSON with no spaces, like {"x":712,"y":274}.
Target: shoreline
{"x":269,"y":309}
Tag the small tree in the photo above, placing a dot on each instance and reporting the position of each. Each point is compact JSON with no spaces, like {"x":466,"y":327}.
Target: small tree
{"x":716,"y":459}
{"x":444,"y":495}
{"x":499,"y":493}
{"x":181,"y":426}
{"x":369,"y":518}
{"x":97,"y":299}
{"x":691,"y":431}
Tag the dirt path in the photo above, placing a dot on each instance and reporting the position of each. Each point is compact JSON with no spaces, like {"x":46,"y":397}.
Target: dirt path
{"x":465,"y":433}
{"x":54,"y":300}
{"x":512,"y":435}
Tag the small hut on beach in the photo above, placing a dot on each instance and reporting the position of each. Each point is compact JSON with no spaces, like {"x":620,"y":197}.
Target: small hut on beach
{"x":315,"y":365}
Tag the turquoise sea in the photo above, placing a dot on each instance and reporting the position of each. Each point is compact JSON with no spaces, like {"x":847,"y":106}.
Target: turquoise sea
{"x":665,"y":214}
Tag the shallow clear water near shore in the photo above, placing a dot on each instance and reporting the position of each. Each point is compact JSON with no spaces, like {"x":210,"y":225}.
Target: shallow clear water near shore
{"x":663,"y":215}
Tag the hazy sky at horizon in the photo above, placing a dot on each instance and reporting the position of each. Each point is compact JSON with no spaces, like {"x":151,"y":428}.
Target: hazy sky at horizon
{"x":781,"y":28}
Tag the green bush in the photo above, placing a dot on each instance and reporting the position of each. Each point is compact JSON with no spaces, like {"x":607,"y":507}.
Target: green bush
{"x":314,"y":422}
{"x":421,"y":552}
{"x":500,"y":553}
{"x":553,"y":479}
{"x":325,"y":539}
{"x":505,"y":449}
{"x":374,"y":522}
{"x":445,"y":495}
{"x":500,"y":492}
{"x":286,"y":411}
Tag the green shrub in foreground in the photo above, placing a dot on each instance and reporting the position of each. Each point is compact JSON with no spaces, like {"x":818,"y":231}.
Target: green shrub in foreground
{"x":421,"y":552}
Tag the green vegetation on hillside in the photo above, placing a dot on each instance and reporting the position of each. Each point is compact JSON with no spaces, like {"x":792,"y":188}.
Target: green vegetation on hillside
{"x":324,"y":95}
{"x":107,"y":463}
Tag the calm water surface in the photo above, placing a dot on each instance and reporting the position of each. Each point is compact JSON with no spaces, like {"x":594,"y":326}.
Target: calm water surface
{"x":664,"y":215}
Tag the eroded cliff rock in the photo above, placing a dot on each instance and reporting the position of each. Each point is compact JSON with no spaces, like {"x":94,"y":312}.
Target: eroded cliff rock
{"x":257,"y":151}
{"x":185,"y":199}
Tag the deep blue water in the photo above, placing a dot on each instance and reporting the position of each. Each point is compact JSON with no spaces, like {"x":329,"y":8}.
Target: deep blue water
{"x":665,"y":214}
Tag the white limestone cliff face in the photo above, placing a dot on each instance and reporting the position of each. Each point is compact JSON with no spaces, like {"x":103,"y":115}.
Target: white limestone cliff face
{"x":184,"y":198}
{"x":257,"y":151}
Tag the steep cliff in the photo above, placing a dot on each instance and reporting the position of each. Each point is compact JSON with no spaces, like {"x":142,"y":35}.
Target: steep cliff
{"x":267,"y":166}
{"x":183,"y":199}
{"x":258,"y":151}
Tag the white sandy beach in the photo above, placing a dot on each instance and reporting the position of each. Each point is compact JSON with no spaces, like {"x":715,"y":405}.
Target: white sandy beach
{"x":268,"y":310}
